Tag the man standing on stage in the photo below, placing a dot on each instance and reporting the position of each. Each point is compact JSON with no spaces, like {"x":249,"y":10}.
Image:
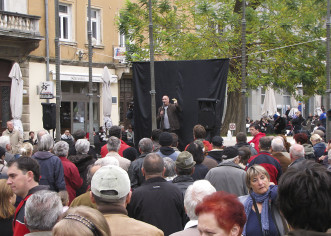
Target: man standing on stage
{"x":168,"y":115}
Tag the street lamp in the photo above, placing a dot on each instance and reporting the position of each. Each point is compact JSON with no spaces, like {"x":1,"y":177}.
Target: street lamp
{"x":243,"y":69}
{"x":328,"y":89}
{"x":90,"y":88}
{"x":151,"y":53}
{"x":57,"y":69}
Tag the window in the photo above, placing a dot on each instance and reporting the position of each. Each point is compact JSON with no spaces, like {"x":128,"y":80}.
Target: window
{"x":65,"y":22}
{"x":95,"y":26}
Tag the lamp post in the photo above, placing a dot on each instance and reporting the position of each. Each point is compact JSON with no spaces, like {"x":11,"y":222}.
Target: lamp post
{"x":328,"y":89}
{"x":90,"y":88}
{"x":151,"y":54}
{"x":57,"y":69}
{"x":243,"y":68}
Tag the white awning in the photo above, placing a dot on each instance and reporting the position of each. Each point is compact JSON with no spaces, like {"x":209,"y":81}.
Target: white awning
{"x":77,"y":77}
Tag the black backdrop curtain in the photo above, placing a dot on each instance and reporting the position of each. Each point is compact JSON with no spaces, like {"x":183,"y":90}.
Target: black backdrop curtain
{"x":184,"y":80}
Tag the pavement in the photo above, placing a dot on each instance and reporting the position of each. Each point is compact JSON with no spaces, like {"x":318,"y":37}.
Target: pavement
{"x":231,"y":141}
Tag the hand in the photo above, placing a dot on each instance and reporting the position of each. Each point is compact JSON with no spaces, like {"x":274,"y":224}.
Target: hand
{"x":175,"y":100}
{"x":161,"y":113}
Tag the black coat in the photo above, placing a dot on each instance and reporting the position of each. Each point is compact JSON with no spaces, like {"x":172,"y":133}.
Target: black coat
{"x":82,"y":161}
{"x":297,"y":123}
{"x":159,"y":203}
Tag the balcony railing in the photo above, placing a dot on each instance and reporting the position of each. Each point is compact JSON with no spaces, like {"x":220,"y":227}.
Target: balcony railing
{"x":19,"y":23}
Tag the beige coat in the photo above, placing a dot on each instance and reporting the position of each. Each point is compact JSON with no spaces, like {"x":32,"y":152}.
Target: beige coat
{"x":121,"y":224}
{"x":16,"y":140}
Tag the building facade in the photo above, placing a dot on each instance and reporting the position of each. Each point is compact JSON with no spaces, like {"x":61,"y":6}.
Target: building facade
{"x":34,"y":50}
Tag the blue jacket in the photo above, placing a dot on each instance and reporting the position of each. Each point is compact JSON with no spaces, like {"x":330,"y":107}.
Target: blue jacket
{"x":51,"y":170}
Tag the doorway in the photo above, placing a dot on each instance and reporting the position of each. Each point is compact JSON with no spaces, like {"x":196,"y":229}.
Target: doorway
{"x":126,"y":97}
{"x":5,"y":86}
{"x":75,"y":106}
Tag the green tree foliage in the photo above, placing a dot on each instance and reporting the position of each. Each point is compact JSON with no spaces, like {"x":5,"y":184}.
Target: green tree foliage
{"x":284,"y":46}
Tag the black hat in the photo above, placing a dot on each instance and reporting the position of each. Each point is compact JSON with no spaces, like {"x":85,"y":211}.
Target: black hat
{"x":165,"y":139}
{"x":217,"y":141}
{"x":230,"y":152}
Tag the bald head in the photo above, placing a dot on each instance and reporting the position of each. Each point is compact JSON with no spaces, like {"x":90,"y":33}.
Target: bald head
{"x":10,"y":125}
{"x":153,"y":165}
{"x":296,"y":151}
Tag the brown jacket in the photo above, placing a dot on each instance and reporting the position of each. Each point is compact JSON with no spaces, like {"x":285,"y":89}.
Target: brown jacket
{"x":121,"y":224}
{"x":173,"y":110}
{"x":284,"y":161}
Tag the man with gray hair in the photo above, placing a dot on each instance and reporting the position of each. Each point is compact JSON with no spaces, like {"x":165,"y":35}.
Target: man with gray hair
{"x":42,"y":211}
{"x":51,"y":168}
{"x":5,"y":143}
{"x":112,"y":199}
{"x":297,"y":154}
{"x":193,"y":196}
{"x":277,"y":147}
{"x":15,"y":136}
{"x":71,"y":173}
{"x":136,"y":176}
{"x":113,"y":145}
{"x":82,"y":160}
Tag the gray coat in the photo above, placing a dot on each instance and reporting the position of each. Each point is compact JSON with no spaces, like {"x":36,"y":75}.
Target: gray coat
{"x":229,"y":177}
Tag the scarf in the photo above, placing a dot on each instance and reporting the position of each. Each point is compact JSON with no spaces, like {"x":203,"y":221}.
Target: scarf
{"x":264,"y":199}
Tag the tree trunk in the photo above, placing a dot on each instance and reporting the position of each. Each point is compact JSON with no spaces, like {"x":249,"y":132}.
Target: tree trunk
{"x":233,"y":112}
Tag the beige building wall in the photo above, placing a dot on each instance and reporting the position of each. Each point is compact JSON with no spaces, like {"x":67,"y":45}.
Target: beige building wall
{"x":103,"y":52}
{"x":70,"y":61}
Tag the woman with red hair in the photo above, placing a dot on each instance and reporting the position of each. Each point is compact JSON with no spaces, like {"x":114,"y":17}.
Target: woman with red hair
{"x":220,"y":214}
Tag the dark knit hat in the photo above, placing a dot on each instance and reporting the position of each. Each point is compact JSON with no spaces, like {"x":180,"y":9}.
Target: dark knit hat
{"x":165,"y":139}
{"x":217,"y":141}
{"x":230,"y":152}
{"x":130,"y":154}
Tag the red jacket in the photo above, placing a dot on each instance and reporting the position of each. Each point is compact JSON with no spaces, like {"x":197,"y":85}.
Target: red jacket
{"x":270,"y":163}
{"x":71,"y":177}
{"x":104,"y":150}
{"x":19,"y":227}
{"x":256,"y":140}
{"x":208,"y":146}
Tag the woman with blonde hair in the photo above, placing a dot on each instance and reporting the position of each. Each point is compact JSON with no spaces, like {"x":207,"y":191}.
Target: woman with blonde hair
{"x":263,"y":216}
{"x":7,"y":209}
{"x":82,"y":221}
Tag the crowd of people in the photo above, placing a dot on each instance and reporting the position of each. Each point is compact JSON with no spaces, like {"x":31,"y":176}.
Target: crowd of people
{"x":290,"y":124}
{"x":266,"y":186}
